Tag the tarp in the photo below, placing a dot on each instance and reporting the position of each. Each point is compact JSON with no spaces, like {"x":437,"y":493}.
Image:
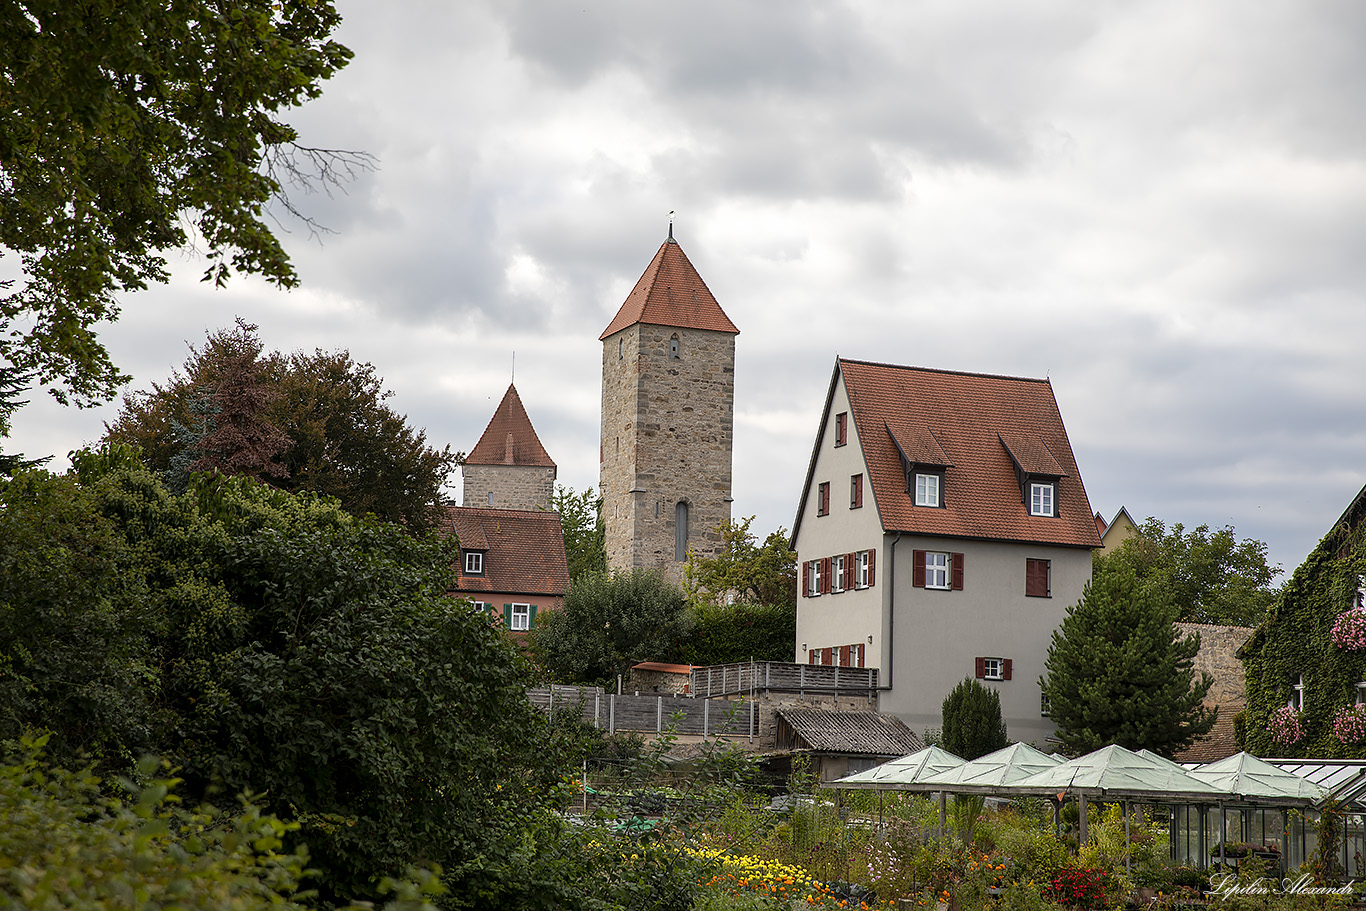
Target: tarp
{"x":898,"y":773}
{"x":1246,"y":776}
{"x":1003,"y":767}
{"x":1113,"y":771}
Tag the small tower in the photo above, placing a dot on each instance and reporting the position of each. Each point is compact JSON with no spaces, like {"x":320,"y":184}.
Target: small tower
{"x":509,"y":468}
{"x":668,"y":402}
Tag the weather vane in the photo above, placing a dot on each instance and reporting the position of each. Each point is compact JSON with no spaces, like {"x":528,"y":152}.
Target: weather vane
{"x":671,"y":224}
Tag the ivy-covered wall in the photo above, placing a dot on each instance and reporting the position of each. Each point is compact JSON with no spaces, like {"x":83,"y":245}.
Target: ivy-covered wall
{"x":1298,"y":642}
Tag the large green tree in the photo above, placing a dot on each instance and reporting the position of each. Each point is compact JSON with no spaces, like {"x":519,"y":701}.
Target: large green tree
{"x":584,"y":533}
{"x":608,"y":623}
{"x":132,"y":127}
{"x":1208,"y":576}
{"x":315,"y":422}
{"x":1118,"y":672}
{"x":265,"y":641}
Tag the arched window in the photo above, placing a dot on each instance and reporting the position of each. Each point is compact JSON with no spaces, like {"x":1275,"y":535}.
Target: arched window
{"x":681,"y":531}
{"x":673,"y":347}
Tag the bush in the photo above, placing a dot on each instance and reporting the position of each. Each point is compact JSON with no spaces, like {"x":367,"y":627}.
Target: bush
{"x":972,"y":720}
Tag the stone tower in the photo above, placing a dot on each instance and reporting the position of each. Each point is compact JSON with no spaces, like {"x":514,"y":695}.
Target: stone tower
{"x":668,"y":401}
{"x":509,"y":468}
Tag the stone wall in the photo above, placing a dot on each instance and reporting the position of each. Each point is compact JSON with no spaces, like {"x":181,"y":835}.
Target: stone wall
{"x":511,"y":486}
{"x":1218,"y":657}
{"x":667,"y":430}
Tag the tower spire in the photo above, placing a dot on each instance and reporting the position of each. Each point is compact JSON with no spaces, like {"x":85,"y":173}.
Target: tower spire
{"x":671,"y":226}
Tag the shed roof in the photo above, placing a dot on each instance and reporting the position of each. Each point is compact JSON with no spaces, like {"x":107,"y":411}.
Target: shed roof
{"x":899,"y":772}
{"x":1005,"y":766}
{"x":1113,"y":771}
{"x":865,"y":733}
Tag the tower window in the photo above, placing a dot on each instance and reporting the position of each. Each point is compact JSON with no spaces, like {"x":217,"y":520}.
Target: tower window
{"x":673,"y":348}
{"x":621,"y":348}
{"x":681,"y":531}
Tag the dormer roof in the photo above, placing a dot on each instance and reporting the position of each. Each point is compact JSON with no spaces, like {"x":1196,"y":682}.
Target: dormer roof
{"x":523,"y":550}
{"x":671,"y":293}
{"x":509,"y":439}
{"x":983,"y":432}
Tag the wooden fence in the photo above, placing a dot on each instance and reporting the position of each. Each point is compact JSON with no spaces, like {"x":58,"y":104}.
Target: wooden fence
{"x":654,"y":713}
{"x":780,"y":676}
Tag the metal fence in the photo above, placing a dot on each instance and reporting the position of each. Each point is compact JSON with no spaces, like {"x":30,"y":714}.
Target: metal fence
{"x":654,"y":713}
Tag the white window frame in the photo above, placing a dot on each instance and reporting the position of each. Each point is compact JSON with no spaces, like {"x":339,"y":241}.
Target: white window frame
{"x":993,"y":669}
{"x":861,"y":569}
{"x":1042,"y":495}
{"x":1359,"y":601}
{"x":813,"y":578}
{"x":1361,"y":693}
{"x":1296,"y":702}
{"x":520,"y":620}
{"x":937,"y":570}
{"x":474,"y":563}
{"x":927,"y":491}
{"x":837,"y":574}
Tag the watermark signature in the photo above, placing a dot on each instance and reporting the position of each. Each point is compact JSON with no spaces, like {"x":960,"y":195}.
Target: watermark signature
{"x":1227,"y":885}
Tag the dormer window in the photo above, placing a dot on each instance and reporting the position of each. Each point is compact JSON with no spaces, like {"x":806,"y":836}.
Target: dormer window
{"x":474,"y":563}
{"x":927,"y":489}
{"x":1041,"y":498}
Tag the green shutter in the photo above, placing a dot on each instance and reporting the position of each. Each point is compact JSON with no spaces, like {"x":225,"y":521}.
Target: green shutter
{"x":507,"y":616}
{"x":531,"y":618}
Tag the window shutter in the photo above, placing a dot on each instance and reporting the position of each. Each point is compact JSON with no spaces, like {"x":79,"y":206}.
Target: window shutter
{"x":851,"y":571}
{"x":825,"y":498}
{"x":844,"y":656}
{"x":1006,"y":666}
{"x":861,"y":655}
{"x":871,"y":554}
{"x":957,"y":572}
{"x":981,"y":668}
{"x":812,"y":655}
{"x":531,"y":618}
{"x":918,"y":569}
{"x":825,"y":575}
{"x":806,"y":578}
{"x":828,"y":653}
{"x":507,"y":616}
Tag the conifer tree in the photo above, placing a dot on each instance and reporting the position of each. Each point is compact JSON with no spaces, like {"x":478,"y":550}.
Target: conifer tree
{"x":1117,"y":672}
{"x":972,"y":720}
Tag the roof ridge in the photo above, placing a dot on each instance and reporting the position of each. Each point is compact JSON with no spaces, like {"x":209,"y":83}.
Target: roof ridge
{"x":940,"y":370}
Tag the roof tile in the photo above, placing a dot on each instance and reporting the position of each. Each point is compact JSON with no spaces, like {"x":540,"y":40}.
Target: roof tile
{"x":524,"y":550}
{"x":671,"y":293}
{"x":509,"y":439}
{"x":869,"y":733}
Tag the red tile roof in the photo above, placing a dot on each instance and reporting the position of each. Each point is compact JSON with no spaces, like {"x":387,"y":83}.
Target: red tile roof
{"x":509,"y":439}
{"x":971,"y":423}
{"x":671,"y":293}
{"x":524,"y":549}
{"x":1220,"y":743}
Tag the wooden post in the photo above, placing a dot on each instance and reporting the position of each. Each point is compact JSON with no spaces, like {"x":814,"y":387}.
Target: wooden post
{"x":659,"y":715}
{"x":612,"y":714}
{"x":1081,"y":820}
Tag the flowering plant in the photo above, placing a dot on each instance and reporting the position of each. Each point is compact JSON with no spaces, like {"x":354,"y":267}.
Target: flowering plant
{"x":1349,"y":630}
{"x":1078,"y":887}
{"x":1349,"y":724}
{"x":1284,"y":726}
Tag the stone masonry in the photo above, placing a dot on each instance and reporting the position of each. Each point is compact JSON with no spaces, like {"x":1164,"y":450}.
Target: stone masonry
{"x":508,"y":486}
{"x":667,"y":429}
{"x":1218,"y":657}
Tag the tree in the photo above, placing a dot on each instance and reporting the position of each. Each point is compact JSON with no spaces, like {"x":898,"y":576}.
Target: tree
{"x":131,"y":127}
{"x":12,"y":384}
{"x":1117,"y":672}
{"x":1210,"y":577}
{"x":265,"y":641}
{"x":608,"y":623}
{"x":743,"y":570}
{"x":584,"y":534}
{"x":326,"y":412}
{"x":971,"y":714}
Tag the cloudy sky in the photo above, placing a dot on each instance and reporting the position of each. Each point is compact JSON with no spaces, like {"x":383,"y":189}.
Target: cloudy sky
{"x":1160,"y":205}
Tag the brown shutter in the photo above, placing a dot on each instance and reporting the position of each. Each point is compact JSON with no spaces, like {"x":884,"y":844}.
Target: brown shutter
{"x":851,"y":570}
{"x":828,"y":655}
{"x":1006,"y":666}
{"x":957,"y":584}
{"x":806,"y":578}
{"x":825,"y":498}
{"x":918,"y":569}
{"x":825,"y":575}
{"x":844,"y":656}
{"x":871,"y":554}
{"x":981,"y":668}
{"x":861,"y":655}
{"x":812,"y":655}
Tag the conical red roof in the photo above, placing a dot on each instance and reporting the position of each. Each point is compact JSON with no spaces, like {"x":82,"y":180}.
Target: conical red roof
{"x":671,"y":293}
{"x":509,"y":438}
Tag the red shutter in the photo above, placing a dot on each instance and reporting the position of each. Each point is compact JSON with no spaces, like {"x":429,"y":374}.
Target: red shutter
{"x":1007,"y":665}
{"x":981,"y":668}
{"x":806,"y":578}
{"x":851,"y":570}
{"x":871,"y":554}
{"x":828,"y":655}
{"x":812,"y":655}
{"x":918,"y":568}
{"x":844,"y":656}
{"x":861,"y":655}
{"x":825,"y":575}
{"x":857,"y":483}
{"x":957,"y":584}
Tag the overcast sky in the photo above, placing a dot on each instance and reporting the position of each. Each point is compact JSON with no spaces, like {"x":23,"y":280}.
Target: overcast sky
{"x":1160,"y":205}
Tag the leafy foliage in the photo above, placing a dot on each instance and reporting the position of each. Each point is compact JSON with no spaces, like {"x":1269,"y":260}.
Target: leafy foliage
{"x":972,"y":720}
{"x":1297,"y":642}
{"x":1117,"y":672}
{"x":127,"y":122}
{"x":608,"y":623}
{"x":1210,"y":577}
{"x":584,"y":533}
{"x":323,"y":415}
{"x":275,"y":643}
{"x":13,"y":382}
{"x":744,"y":570}
{"x":730,"y":633}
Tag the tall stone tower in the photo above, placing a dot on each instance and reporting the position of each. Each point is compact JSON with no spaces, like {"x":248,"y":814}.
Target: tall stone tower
{"x":509,"y":468}
{"x":668,"y":403}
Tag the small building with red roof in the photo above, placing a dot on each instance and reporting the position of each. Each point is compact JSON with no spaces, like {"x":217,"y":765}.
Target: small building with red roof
{"x":943,"y":532}
{"x":509,"y":468}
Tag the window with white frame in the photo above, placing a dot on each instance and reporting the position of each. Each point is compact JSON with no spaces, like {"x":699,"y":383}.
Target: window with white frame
{"x":936,"y":570}
{"x":837,"y":573}
{"x":813,"y":578}
{"x":1361,"y":693}
{"x":861,"y":569}
{"x":927,"y":490}
{"x":521,"y":617}
{"x":1296,"y":702}
{"x":1360,"y":601}
{"x":993,"y":668}
{"x":1041,"y":499}
{"x":474,"y":563}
